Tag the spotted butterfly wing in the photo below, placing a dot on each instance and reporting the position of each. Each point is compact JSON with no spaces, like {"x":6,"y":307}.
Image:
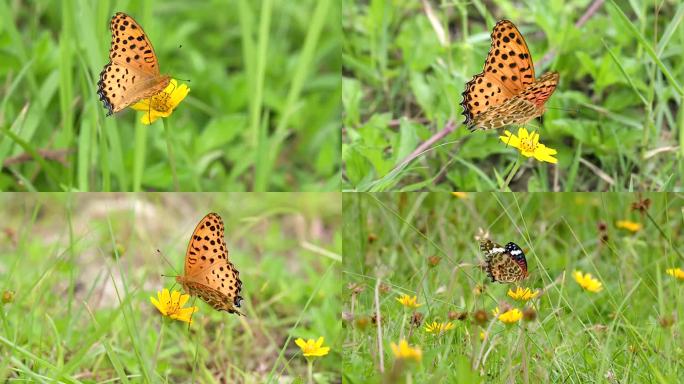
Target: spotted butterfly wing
{"x":506,"y":92}
{"x":208,"y":272}
{"x":133,"y":71}
{"x":504,"y":264}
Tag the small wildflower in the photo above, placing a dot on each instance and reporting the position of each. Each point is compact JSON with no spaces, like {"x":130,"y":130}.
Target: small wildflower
{"x":676,"y":272}
{"x":509,"y":317}
{"x":405,"y":352}
{"x":522,"y":294}
{"x":433,"y":261}
{"x":312,"y":348}
{"x":641,"y":205}
{"x":483,"y":335}
{"x":408,"y":301}
{"x":171,"y":305}
{"x":362,"y":322}
{"x":163,"y":103}
{"x":438,"y":328}
{"x":481,"y":317}
{"x":587,"y":281}
{"x":417,"y":319}
{"x":529,"y":145}
{"x":666,"y":321}
{"x":454,"y":315}
{"x":356,"y":288}
{"x":529,"y":314}
{"x":479,"y":289}
{"x":372,"y":237}
{"x":629,"y":225}
{"x":460,"y":195}
{"x":7,"y":297}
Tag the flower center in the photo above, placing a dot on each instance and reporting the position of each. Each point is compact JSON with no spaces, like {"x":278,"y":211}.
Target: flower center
{"x":171,"y":308}
{"x":160,"y":102}
{"x":527,"y":144}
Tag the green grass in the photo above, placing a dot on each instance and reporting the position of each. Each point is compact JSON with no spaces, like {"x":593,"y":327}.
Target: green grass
{"x":83,"y":268}
{"x":615,"y":118}
{"x":616,"y":335}
{"x":262,"y":114}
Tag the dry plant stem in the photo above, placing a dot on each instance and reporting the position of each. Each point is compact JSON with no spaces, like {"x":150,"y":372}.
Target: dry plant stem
{"x":58,"y":155}
{"x":378,"y":322}
{"x":448,"y":128}
{"x":484,"y":343}
{"x":591,"y":10}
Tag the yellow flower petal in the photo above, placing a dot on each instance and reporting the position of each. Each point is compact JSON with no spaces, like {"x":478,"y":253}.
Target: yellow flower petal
{"x":529,"y":146}
{"x":587,"y":282}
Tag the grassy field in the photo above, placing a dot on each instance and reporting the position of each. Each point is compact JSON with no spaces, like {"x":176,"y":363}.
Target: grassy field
{"x":83,"y":268}
{"x":425,"y":245}
{"x":615,"y":118}
{"x":262,"y":113}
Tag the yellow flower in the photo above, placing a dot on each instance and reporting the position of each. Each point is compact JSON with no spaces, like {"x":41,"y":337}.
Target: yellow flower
{"x":163,"y":103}
{"x":438,"y":328}
{"x":587,"y":281}
{"x":408,"y":301}
{"x":406,"y":352}
{"x":529,"y":145}
{"x":460,"y":195}
{"x":522,"y":294}
{"x":509,"y":317}
{"x":312,"y":347}
{"x":676,"y":272}
{"x":171,"y":305}
{"x":483,"y":335}
{"x":628,"y":225}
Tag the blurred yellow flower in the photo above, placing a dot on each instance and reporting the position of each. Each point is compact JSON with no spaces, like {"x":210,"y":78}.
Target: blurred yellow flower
{"x":460,"y":195}
{"x":483,"y":335}
{"x":7,"y":297}
{"x":171,"y":305}
{"x":509,"y":317}
{"x":676,"y":272}
{"x":408,"y":301}
{"x":163,"y":103}
{"x":312,"y":348}
{"x":587,"y":281}
{"x":522,"y":294}
{"x":438,"y":328}
{"x":628,"y":225}
{"x":405,"y":352}
{"x":528,"y":145}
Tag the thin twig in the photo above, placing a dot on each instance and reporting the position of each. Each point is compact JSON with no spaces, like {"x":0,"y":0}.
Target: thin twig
{"x":591,"y":10}
{"x":58,"y":155}
{"x":448,"y":128}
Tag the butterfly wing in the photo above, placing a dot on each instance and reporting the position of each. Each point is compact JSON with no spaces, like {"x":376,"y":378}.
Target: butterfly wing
{"x":208,"y":273}
{"x":133,"y":71}
{"x":521,"y":108}
{"x":504,"y":264}
{"x":507,"y":72}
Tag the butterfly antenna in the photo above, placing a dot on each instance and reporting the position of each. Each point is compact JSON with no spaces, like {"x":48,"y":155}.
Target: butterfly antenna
{"x":167,"y":262}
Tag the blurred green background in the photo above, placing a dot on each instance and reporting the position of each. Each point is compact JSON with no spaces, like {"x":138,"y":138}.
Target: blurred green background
{"x":425,"y":244}
{"x":84,"y":266}
{"x":615,"y":119}
{"x":263,"y":111}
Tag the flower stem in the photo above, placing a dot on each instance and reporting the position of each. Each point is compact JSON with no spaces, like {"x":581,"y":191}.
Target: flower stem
{"x":139,"y":156}
{"x":310,"y":370}
{"x":159,"y":341}
{"x":516,"y":166}
{"x":169,"y":149}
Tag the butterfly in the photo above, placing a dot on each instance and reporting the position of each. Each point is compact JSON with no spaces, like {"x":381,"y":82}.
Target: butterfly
{"x":133,"y":71}
{"x":506,"y":91}
{"x":208,"y":273}
{"x":504,"y":264}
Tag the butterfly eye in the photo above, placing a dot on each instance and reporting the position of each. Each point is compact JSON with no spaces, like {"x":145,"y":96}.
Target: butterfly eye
{"x":237,"y":301}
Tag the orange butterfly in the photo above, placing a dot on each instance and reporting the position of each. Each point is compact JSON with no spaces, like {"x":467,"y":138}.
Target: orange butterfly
{"x":133,"y":72}
{"x":208,"y":272}
{"x":506,"y":92}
